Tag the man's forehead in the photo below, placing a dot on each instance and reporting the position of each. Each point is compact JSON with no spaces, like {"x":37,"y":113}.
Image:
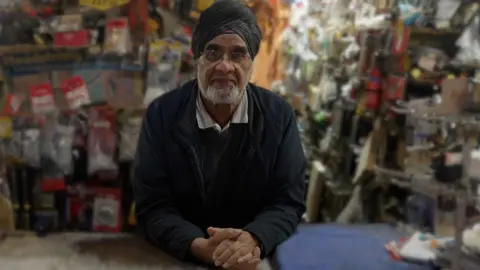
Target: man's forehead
{"x":226,"y":41}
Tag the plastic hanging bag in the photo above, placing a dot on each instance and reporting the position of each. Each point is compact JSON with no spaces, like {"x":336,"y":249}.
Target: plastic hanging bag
{"x":102,"y":142}
{"x":65,"y":135}
{"x":14,"y":146}
{"x":56,"y":153}
{"x":117,"y":37}
{"x":31,"y":147}
{"x":76,"y":92}
{"x":164,"y":68}
{"x":107,"y":209}
{"x":129,"y":134}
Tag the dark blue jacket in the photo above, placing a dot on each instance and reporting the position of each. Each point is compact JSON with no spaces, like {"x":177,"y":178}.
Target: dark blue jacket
{"x":266,"y":183}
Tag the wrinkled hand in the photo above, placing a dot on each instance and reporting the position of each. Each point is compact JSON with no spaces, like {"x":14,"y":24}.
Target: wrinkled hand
{"x":217,"y":235}
{"x":203,"y":248}
{"x":244,"y":250}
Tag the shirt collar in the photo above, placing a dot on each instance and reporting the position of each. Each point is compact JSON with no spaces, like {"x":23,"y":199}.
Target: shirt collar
{"x":204,"y":120}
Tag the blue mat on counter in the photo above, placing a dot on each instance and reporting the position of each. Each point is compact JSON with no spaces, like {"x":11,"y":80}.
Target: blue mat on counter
{"x":341,"y":247}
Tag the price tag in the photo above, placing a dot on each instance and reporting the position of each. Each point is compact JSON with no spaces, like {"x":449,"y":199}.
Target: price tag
{"x":428,"y":63}
{"x":42,"y":99}
{"x":79,"y":38}
{"x":452,"y":159}
{"x":76,"y":92}
{"x":103,"y":4}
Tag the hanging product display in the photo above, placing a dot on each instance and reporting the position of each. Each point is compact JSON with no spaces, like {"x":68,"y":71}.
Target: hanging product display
{"x":164,"y":68}
{"x":397,"y":82}
{"x":76,"y":79}
{"x":76,"y":92}
{"x":129,"y":134}
{"x":102,"y":142}
{"x":107,"y":215}
{"x":56,"y":153}
{"x":64,"y":78}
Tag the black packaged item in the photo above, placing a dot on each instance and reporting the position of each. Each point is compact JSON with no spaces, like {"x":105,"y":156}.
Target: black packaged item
{"x":45,"y":222}
{"x":448,"y":165}
{"x":27,"y":178}
{"x":12,"y":177}
{"x":446,"y":204}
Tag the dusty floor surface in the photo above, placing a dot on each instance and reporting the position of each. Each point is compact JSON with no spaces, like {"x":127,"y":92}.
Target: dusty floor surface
{"x":83,"y":251}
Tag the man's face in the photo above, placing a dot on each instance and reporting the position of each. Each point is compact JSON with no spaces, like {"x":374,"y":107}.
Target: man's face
{"x":224,"y":69}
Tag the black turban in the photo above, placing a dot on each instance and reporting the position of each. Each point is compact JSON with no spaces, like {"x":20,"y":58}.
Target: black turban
{"x":223,"y":17}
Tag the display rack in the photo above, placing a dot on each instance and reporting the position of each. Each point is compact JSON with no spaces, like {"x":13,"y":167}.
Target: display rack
{"x":382,"y":85}
{"x":461,"y":192}
{"x":72,"y":100}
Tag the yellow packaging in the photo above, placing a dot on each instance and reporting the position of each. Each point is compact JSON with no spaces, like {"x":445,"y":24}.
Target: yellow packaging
{"x":103,"y":4}
{"x":5,"y":127}
{"x":204,"y":4}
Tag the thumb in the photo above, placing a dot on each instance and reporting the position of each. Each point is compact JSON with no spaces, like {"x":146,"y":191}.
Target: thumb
{"x":211,"y":231}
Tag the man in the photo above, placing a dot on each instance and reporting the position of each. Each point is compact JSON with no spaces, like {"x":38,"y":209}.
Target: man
{"x":220,"y":170}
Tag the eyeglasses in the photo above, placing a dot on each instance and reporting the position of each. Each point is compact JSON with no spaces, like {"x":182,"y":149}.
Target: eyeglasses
{"x":214,"y":56}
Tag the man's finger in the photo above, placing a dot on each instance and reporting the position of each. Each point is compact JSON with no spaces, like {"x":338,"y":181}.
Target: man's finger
{"x":233,"y":260}
{"x":251,"y":257}
{"x":224,"y":245}
{"x":212,"y":230}
{"x":223,"y":234}
{"x":222,"y":258}
{"x":246,"y":258}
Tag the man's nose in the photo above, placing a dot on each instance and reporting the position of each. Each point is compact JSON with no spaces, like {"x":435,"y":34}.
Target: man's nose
{"x":225,"y":65}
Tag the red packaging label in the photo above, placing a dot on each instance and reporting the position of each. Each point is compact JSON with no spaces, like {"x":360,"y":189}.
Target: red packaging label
{"x":117,"y":24}
{"x":53,"y":184}
{"x":396,"y":88}
{"x":102,"y":143}
{"x":42,"y":99}
{"x":76,"y":92}
{"x":401,"y":36}
{"x":107,"y":212}
{"x":79,"y":38}
{"x":13,"y":104}
{"x":75,"y":207}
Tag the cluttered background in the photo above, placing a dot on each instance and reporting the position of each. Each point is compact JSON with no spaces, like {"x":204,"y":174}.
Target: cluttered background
{"x":386,"y":95}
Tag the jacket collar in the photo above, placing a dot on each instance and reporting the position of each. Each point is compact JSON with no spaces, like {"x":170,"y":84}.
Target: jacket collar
{"x":187,"y":121}
{"x":204,"y":120}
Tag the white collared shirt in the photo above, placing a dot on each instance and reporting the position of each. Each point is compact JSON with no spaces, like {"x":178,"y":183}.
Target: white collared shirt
{"x":204,"y":120}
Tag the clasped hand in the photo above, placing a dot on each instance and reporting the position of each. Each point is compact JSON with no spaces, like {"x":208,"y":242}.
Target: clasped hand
{"x":235,"y":248}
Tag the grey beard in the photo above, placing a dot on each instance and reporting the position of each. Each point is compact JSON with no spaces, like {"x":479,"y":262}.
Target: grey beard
{"x":222,"y":96}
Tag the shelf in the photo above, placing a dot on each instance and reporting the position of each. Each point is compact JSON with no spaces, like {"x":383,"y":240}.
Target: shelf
{"x":31,"y":59}
{"x":466,"y":260}
{"x":424,"y":184}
